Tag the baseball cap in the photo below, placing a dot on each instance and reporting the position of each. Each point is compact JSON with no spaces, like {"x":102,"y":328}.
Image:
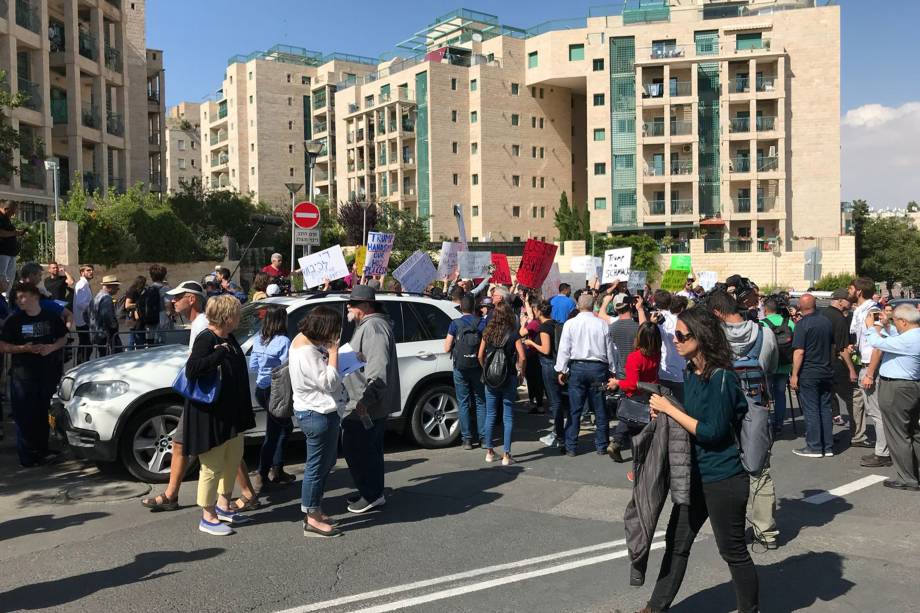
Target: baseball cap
{"x":619,"y":301}
{"x":187,"y":287}
{"x":273,"y":289}
{"x":840,"y":294}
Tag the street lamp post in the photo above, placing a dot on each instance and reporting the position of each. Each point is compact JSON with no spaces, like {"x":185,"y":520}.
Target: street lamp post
{"x":311,"y":150}
{"x":293,"y":188}
{"x":53,"y":165}
{"x":364,"y":204}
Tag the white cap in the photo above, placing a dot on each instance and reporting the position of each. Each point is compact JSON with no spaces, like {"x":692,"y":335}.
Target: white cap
{"x":621,"y":278}
{"x":273,"y":289}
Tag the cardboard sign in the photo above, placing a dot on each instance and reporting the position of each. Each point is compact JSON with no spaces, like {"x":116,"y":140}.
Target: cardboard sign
{"x":550,"y":285}
{"x":594,"y":269}
{"x":360,"y":256}
{"x":502,"y":274}
{"x":581,"y":263}
{"x":379,"y":248}
{"x":707,"y":279}
{"x":447,"y":263}
{"x":474,"y":264}
{"x":673,"y":280}
{"x":535,"y":263}
{"x":416,"y":272}
{"x":326,"y":264}
{"x":616,"y":263}
{"x":637,"y":280}
{"x":681,"y":261}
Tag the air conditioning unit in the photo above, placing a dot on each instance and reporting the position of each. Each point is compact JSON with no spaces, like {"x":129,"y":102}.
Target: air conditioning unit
{"x":688,"y":148}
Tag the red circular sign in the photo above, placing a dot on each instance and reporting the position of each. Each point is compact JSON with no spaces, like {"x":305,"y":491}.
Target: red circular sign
{"x":306,"y":215}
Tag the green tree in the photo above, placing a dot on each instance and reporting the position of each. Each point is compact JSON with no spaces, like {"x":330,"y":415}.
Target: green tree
{"x":9,"y":136}
{"x":573,"y":223}
{"x":351,"y":217}
{"x":861,"y":217}
{"x":889,"y":250}
{"x":830,"y":282}
{"x":913,"y":207}
{"x":645,"y":251}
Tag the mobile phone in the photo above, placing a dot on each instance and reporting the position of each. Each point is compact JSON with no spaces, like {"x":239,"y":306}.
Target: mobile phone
{"x":876,"y":316}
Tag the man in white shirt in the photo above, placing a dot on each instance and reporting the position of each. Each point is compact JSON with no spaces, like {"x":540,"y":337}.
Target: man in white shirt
{"x":82,"y":301}
{"x":586,"y":358}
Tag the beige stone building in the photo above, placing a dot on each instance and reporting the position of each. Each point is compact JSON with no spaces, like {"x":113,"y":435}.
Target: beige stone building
{"x":253,"y":130}
{"x":183,"y":145}
{"x":86,"y":73}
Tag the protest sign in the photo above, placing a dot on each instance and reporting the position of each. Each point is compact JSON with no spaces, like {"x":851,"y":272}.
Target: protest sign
{"x":379,"y":247}
{"x":673,"y":280}
{"x":326,"y":264}
{"x":360,"y":256}
{"x":637,"y":280}
{"x":474,"y":264}
{"x":502,"y":274}
{"x":416,"y":272}
{"x":616,"y":263}
{"x":535,"y":263}
{"x":593,"y":269}
{"x":447,"y":263}
{"x":681,"y":261}
{"x":550,"y":286}
{"x":581,"y":263}
{"x":707,"y":279}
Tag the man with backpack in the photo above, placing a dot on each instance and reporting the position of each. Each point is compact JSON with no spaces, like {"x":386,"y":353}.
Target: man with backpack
{"x":151,"y":308}
{"x":462,"y":343}
{"x":782,"y":327}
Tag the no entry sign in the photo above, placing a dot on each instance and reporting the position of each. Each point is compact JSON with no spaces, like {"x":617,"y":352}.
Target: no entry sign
{"x":306,"y":215}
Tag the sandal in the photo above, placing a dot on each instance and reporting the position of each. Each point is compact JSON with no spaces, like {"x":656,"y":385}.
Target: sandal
{"x":249,"y":504}
{"x":161,"y":502}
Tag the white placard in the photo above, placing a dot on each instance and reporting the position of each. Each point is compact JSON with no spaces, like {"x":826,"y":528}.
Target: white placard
{"x":379,"y":247}
{"x":581,"y":263}
{"x":416,"y":272}
{"x":474,"y":264}
{"x":551,"y":284}
{"x":616,"y":262}
{"x":326,"y":264}
{"x":593,"y":269}
{"x":447,"y":264}
{"x":707,"y":279}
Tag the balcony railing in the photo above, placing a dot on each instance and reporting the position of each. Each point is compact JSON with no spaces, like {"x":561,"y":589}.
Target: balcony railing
{"x":391,"y":125}
{"x":739,"y":164}
{"x":88,"y":46}
{"x":220,"y":160}
{"x":32,"y":93}
{"x":320,"y":127}
{"x":28,"y":15}
{"x":360,"y":135}
{"x":153,"y":96}
{"x":408,"y":126}
{"x":222,"y":111}
{"x":408,"y":159}
{"x":739,"y":85}
{"x":59,"y":110}
{"x":767,"y":163}
{"x":154,"y":138}
{"x":90,"y":117}
{"x":667,"y":52}
{"x":115,"y":124}
{"x":763,"y":203}
{"x":765,"y":124}
{"x":656,"y":207}
{"x":681,"y":128}
{"x":320,"y":174}
{"x":32,"y":175}
{"x":56,"y":36}
{"x":113,"y":59}
{"x":215,"y":183}
{"x":654,"y":170}
{"x":218,"y":137}
{"x":713,"y":245}
{"x":319,"y":101}
{"x":654,"y":128}
{"x":682,"y":206}
{"x":740,"y":245}
{"x":680,"y":88}
{"x":753,"y":45}
{"x":766,"y":84}
{"x":682,"y":167}
{"x":739,"y":125}
{"x":653,"y":90}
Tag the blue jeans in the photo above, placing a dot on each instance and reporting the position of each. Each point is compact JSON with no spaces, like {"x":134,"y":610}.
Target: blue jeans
{"x":471,"y":397}
{"x":504,"y":396}
{"x":322,"y":439}
{"x":554,"y":394}
{"x":778,"y":382}
{"x":363,"y":450}
{"x":816,"y":397}
{"x":586,"y":382}
{"x":276,"y":432}
{"x":30,"y":398}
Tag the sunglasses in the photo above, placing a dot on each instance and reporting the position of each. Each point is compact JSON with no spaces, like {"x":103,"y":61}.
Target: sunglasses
{"x":681,"y":337}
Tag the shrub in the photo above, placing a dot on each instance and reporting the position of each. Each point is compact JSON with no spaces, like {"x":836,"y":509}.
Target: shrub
{"x":829,"y":283}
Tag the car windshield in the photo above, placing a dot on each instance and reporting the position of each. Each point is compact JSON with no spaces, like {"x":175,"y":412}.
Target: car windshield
{"x":250,"y":321}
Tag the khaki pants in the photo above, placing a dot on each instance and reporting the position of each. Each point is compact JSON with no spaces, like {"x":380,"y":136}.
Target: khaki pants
{"x":762,"y":505}
{"x":870,"y":401}
{"x":218,"y":470}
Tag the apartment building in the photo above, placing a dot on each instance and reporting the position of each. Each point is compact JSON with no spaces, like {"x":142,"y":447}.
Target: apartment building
{"x":270,"y":102}
{"x":152,"y":125}
{"x":183,"y":145}
{"x":80,"y":64}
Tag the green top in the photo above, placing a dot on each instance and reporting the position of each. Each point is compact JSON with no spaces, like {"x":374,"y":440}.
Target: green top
{"x":776,"y":319}
{"x":717,"y":410}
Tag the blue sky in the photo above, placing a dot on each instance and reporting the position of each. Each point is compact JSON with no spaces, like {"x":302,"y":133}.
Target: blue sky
{"x":879,"y":60}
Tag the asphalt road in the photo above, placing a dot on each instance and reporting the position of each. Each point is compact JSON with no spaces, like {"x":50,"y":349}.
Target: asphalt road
{"x":457,"y":534}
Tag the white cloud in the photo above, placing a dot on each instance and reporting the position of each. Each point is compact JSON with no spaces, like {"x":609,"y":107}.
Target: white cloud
{"x":880,"y":157}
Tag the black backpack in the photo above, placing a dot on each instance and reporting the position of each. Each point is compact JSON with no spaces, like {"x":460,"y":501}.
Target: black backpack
{"x":466,"y":345}
{"x":783,"y":334}
{"x":497,"y":368}
{"x":149,"y":306}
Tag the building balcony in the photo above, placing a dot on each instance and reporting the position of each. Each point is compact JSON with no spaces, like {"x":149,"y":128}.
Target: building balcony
{"x":219,"y":160}
{"x":713,"y":245}
{"x":408,"y":125}
{"x":653,"y":128}
{"x":115,"y":124}
{"x":681,"y":167}
{"x":740,"y":245}
{"x":155,"y":184}
{"x":351,"y":166}
{"x":32,"y":175}
{"x":28,"y":15}
{"x":682,"y":206}
{"x":739,"y":165}
{"x":88,"y":45}
{"x":656,"y":207}
{"x":320,"y":174}
{"x":763,"y":204}
{"x":319,"y":101}
{"x":767,"y":163}
{"x":218,"y":137}
{"x":154,"y":139}
{"x":32,"y":93}
{"x":113,"y":59}
{"x":702,"y":51}
{"x":739,"y":125}
{"x":320,"y":127}
{"x":766,"y":84}
{"x":90,"y":117}
{"x":765,"y":123}
{"x":681,"y":128}
{"x":655,"y":170}
{"x":222,"y":111}
{"x":739,"y":85}
{"x":677,"y":89}
{"x":59,"y":111}
{"x":153,"y":97}
{"x":359,"y":136}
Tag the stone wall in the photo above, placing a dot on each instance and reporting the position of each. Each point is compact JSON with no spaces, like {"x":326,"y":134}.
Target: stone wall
{"x":176,"y":272}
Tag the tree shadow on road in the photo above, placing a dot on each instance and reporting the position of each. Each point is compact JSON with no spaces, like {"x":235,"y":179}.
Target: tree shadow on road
{"x":58,"y":592}
{"x":40,"y":524}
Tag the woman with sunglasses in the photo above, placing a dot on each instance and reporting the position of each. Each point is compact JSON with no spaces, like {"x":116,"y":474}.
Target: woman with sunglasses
{"x":719,"y":485}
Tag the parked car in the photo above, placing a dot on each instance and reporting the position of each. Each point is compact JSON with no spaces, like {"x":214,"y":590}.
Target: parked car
{"x":122,"y":408}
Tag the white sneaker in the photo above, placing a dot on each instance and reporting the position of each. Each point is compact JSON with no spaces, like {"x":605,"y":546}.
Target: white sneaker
{"x":507,"y":460}
{"x":549,"y":440}
{"x":217,"y":528}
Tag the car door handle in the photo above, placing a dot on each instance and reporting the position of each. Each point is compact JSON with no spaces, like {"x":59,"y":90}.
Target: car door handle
{"x":424,"y":354}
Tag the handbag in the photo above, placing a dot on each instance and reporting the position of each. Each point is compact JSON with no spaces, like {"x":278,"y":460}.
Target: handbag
{"x":633,"y":410}
{"x":754,"y":435}
{"x":203,"y":390}
{"x":281,"y":397}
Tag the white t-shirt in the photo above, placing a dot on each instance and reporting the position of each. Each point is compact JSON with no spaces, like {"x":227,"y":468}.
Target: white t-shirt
{"x":198,"y":326}
{"x":672,"y":364}
{"x":82,"y":300}
{"x":316,"y":385}
{"x":859,"y":329}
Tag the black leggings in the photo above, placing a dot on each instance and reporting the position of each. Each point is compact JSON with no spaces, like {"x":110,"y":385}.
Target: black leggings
{"x":724,"y":503}
{"x":533,"y":373}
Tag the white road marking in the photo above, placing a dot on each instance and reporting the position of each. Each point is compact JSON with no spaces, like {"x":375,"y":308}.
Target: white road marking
{"x":843,"y":490}
{"x":485,"y":585}
{"x":318,"y":606}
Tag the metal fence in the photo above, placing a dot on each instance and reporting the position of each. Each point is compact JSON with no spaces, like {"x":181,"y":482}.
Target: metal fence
{"x":85,"y":346}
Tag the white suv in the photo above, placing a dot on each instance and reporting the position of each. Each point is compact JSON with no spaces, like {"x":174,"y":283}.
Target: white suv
{"x":122,"y":407}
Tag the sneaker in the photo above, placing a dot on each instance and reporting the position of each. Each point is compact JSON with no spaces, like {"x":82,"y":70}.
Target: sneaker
{"x":768,"y":544}
{"x":828,"y":454}
{"x":875,"y":461}
{"x":490,"y":457}
{"x":570,"y":454}
{"x":363,"y":506}
{"x":864,"y":444}
{"x":614,"y":452}
{"x":231,"y":517}
{"x":467,"y":446}
{"x":507,"y":460}
{"x":549,"y":440}
{"x":805,"y":452}
{"x":216,"y":528}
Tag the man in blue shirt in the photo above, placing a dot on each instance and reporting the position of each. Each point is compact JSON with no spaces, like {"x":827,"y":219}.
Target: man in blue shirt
{"x":562,"y":303}
{"x":899,"y":390}
{"x":462,"y":344}
{"x":813,"y":377}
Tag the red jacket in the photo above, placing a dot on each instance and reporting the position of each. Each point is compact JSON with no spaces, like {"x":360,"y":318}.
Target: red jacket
{"x":639,"y":368}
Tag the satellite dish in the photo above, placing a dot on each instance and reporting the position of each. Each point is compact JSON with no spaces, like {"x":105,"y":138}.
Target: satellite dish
{"x":477,"y":37}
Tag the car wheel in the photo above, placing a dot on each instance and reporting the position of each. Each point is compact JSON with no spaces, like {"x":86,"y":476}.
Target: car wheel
{"x":147,"y":441}
{"x":436,"y":418}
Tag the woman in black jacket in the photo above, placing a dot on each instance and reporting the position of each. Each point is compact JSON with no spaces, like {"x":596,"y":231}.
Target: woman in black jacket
{"x":214,"y":432}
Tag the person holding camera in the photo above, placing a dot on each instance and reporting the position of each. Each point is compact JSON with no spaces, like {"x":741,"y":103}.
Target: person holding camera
{"x":672,"y":365}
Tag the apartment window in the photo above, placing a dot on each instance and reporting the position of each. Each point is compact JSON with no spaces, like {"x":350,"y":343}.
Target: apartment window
{"x":515,"y":211}
{"x":250,"y":98}
{"x":533,"y":59}
{"x":533,"y":182}
{"x":454,"y":147}
{"x":474,"y":116}
{"x":600,"y":168}
{"x":474,"y":85}
{"x":533,"y":212}
{"x":193,"y":162}
{"x":515,"y":119}
{"x":533,"y":91}
{"x":181,"y":163}
{"x":453,"y":116}
{"x":533,"y":122}
{"x":541,"y":123}
{"x":541,"y":152}
{"x":475,"y":210}
{"x":181,"y":144}
{"x":290,"y":148}
{"x":542,"y":182}
{"x":516,"y":150}
{"x":233,"y":172}
{"x":453,"y":83}
{"x":598,"y":64}
{"x":541,"y":93}
{"x":475,"y":179}
{"x":290,"y":125}
{"x":252,"y":170}
{"x":289,"y":77}
{"x":515,"y":89}
{"x":290,"y":172}
{"x":598,"y":99}
{"x":576,"y":53}
{"x":516,"y":180}
{"x":304,"y":80}
{"x":533,"y":152}
{"x":490,"y":57}
{"x":250,"y":75}
{"x":252,"y":147}
{"x":192,"y":144}
{"x":289,"y":101}
{"x":456,"y":179}
{"x":600,"y":204}
{"x":474,"y":148}
{"x":542,"y":212}
{"x":599,"y":134}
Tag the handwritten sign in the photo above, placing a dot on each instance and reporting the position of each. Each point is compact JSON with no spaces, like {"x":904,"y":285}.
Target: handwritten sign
{"x":474,"y":264}
{"x":416,"y":272}
{"x":326,"y":264}
{"x":447,"y":263}
{"x":673,"y":280}
{"x":681,"y":261}
{"x":616,"y":263}
{"x":379,"y":247}
{"x":360,"y":256}
{"x":707,"y":279}
{"x":637,"y":280}
{"x":551,"y":284}
{"x":593,"y":269}
{"x":502,"y":274}
{"x":581,"y":263}
{"x":535,"y":263}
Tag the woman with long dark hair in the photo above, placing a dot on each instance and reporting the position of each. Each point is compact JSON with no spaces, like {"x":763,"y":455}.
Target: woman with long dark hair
{"x":530,"y":331}
{"x":719,"y":484}
{"x":260,"y":285}
{"x":269,"y":351}
{"x":544,"y":350}
{"x":501,"y":335}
